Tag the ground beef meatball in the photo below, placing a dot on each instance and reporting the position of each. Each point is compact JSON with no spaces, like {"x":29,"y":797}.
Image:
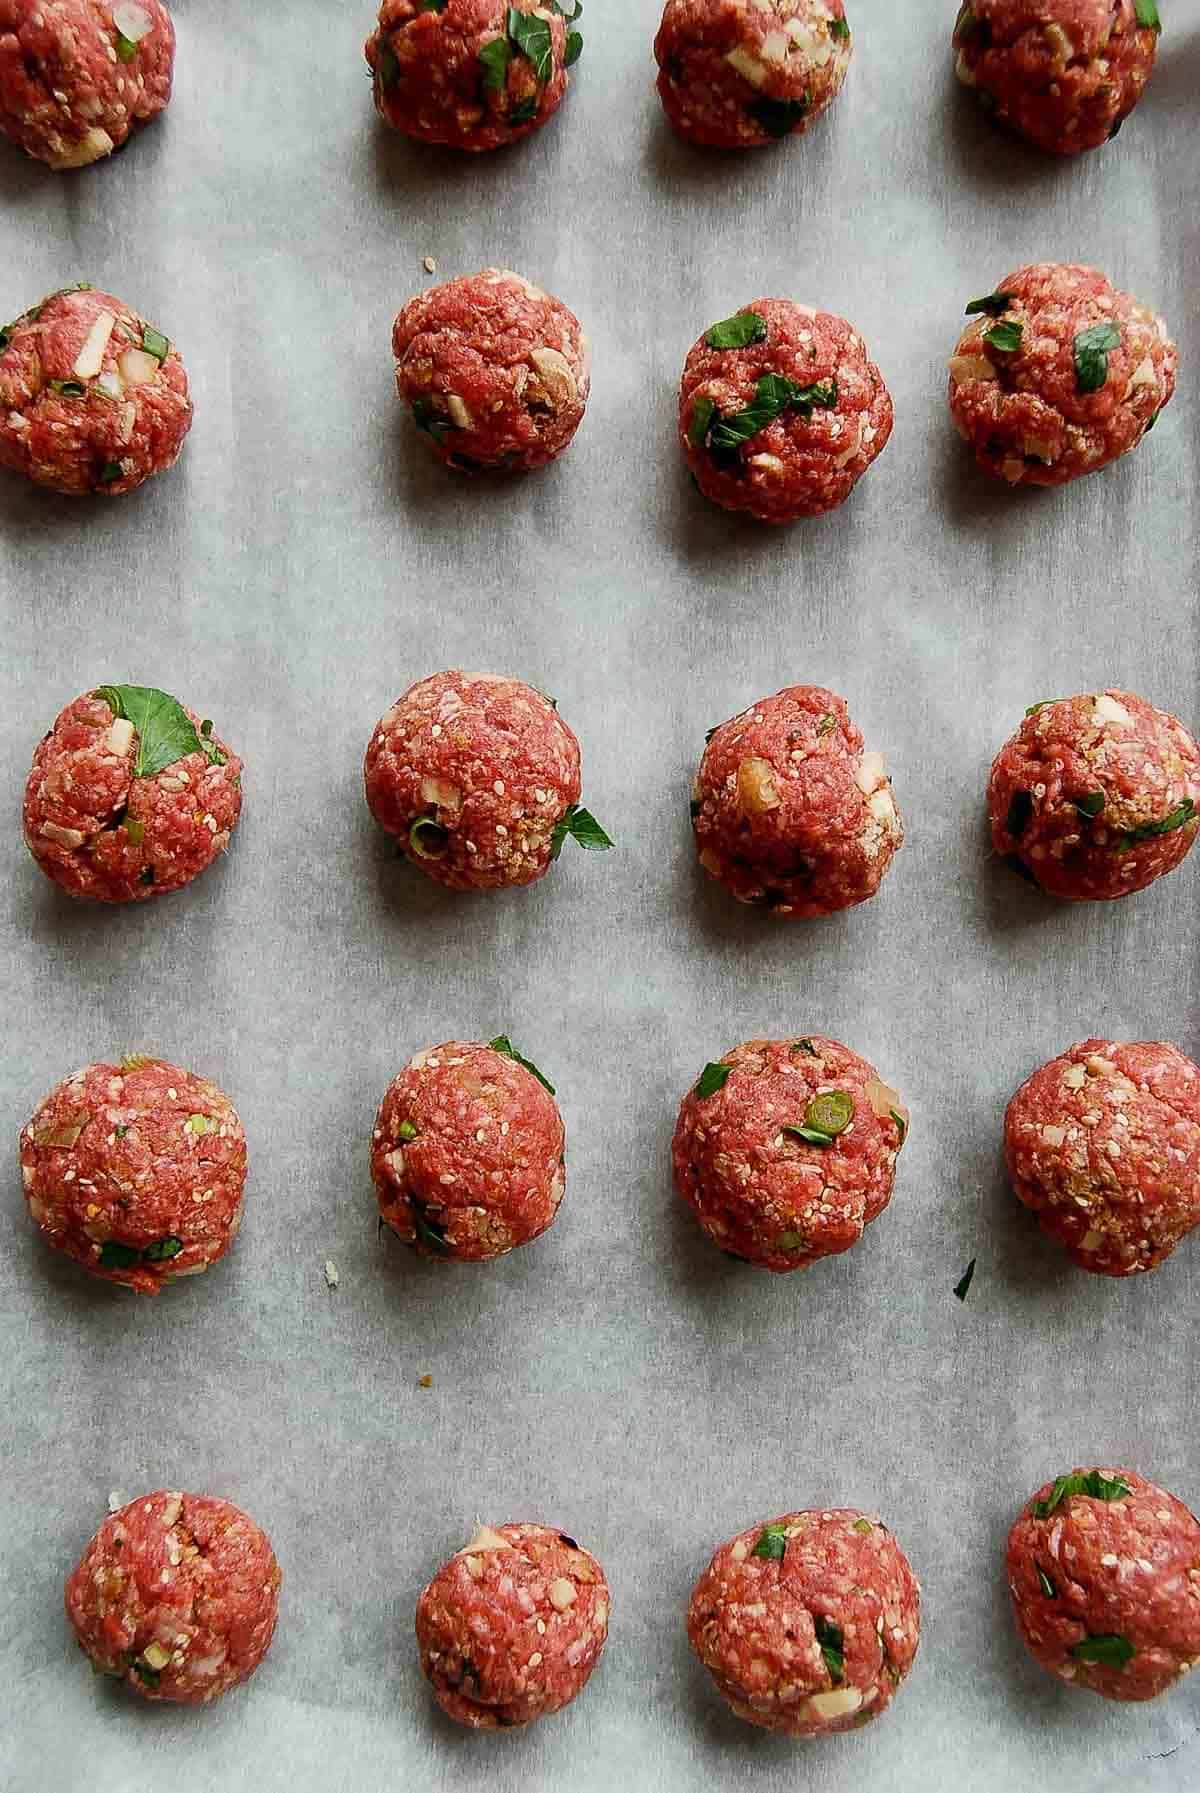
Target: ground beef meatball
{"x":1104,"y":1572}
{"x":736,"y":73}
{"x":1064,"y":73}
{"x":809,"y":1623}
{"x":177,"y":1596}
{"x":136,"y":1171}
{"x":1095,"y":796}
{"x":780,"y":411}
{"x":77,"y":77}
{"x":468,"y":1151}
{"x":1057,"y":374}
{"x":786,"y":1150}
{"x":130,"y":795}
{"x":474,"y":74}
{"x":788,"y":811}
{"x":495,"y":371}
{"x":92,"y":398}
{"x":512,"y":1626}
{"x":1103,"y":1143}
{"x":478,"y":778}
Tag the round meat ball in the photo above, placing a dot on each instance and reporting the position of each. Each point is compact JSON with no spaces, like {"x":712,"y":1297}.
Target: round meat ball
{"x":495,"y":371}
{"x":809,"y":1623}
{"x":736,"y":73}
{"x":92,"y":397}
{"x":1064,"y":73}
{"x":136,"y":1171}
{"x":1103,"y":1143}
{"x":478,"y":778}
{"x":1102,"y":1571}
{"x":119,"y":813}
{"x":788,"y":811}
{"x":785,"y":1150}
{"x":78,"y":77}
{"x":177,"y":1596}
{"x":467,"y":1155}
{"x":459,"y":73}
{"x":510,"y":1629}
{"x":781,"y":412}
{"x":1095,"y":796}
{"x":1057,"y":374}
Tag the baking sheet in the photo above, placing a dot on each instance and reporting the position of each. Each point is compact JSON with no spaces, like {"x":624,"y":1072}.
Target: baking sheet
{"x":301,"y":566}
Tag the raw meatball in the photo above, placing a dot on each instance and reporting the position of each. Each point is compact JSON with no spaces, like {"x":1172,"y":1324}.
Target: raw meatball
{"x":512,"y":1626}
{"x":177,"y":1596}
{"x":789,"y":812}
{"x":786,"y":1150}
{"x":478,"y":778}
{"x":475,"y":74}
{"x":735,"y":73}
{"x":1064,"y":73}
{"x":780,"y":411}
{"x":136,"y":1171}
{"x":1103,"y":1143}
{"x":808,"y":1624}
{"x":130,"y":795}
{"x":468,"y":1151}
{"x":77,"y":77}
{"x":1102,"y":1572}
{"x":495,"y":371}
{"x":92,"y":398}
{"x":1095,"y":796}
{"x":1057,"y":374}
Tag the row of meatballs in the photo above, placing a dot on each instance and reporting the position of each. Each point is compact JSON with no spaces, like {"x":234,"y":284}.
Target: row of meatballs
{"x":808,"y":1624}
{"x":78,"y":77}
{"x":785,"y":1151}
{"x":478,"y":779}
{"x":1056,"y":374}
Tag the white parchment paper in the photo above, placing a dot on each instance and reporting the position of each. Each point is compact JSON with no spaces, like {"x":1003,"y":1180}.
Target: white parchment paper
{"x":301,"y":566}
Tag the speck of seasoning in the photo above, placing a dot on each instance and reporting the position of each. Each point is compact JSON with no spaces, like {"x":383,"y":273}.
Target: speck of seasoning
{"x":424,"y":1381}
{"x":332,"y":1278}
{"x":429,"y":265}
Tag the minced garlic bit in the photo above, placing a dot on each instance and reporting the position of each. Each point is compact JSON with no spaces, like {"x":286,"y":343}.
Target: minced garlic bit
{"x":332,"y":1278}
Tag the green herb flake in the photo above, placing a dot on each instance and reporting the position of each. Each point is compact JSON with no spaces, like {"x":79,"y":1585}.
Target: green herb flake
{"x":523,"y":111}
{"x":964,"y":1281}
{"x":826,"y":724}
{"x":504,"y":1045}
{"x":135,"y":830}
{"x":110,"y":471}
{"x":531,"y":37}
{"x":1146,"y":13}
{"x":1179,"y":817}
{"x":427,"y":839}
{"x":737,"y":332}
{"x":494,"y":59}
{"x":583,"y":829}
{"x":199,"y":1124}
{"x":115,"y":1256}
{"x":431,"y":5}
{"x":1091,"y":355}
{"x":155,"y":343}
{"x":967,"y":22}
{"x":895,"y":1115}
{"x":810,"y":1135}
{"x":573,"y":49}
{"x":778,"y":118}
{"x":790,"y":1241}
{"x":1089,"y":805}
{"x":160,"y":1250}
{"x":773,"y":395}
{"x":1020,"y":813}
{"x":406,"y":1131}
{"x":126,"y":46}
{"x":804,"y":1046}
{"x":840,"y":29}
{"x":387,"y":67}
{"x":570,"y":17}
{"x":120,"y":1132}
{"x":1005,"y":337}
{"x":993,"y":304}
{"x":69,"y":388}
{"x":864,"y":1526}
{"x":771,"y":1543}
{"x":1043,"y":704}
{"x":829,"y":1636}
{"x":1047,"y":1586}
{"x":1107,"y":1647}
{"x":165,"y":731}
{"x":1089,"y":1482}
{"x":143,"y":1671}
{"x":712,"y":1078}
{"x":431,"y":1236}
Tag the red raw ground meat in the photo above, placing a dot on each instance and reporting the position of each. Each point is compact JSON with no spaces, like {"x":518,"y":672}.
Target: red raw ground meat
{"x":92,"y":397}
{"x":1103,"y":1143}
{"x":495,"y":371}
{"x":136,"y":1171}
{"x":512,"y":1626}
{"x":736,"y":73}
{"x":1057,"y":374}
{"x":786,"y":1150}
{"x":177,"y":1596}
{"x":78,"y":76}
{"x":459,"y":74}
{"x":808,"y":1624}
{"x":1095,"y":796}
{"x":788,"y":811}
{"x":1104,"y":1572}
{"x":1064,"y":73}
{"x":467,"y":1154}
{"x":784,"y":421}
{"x":103,"y":823}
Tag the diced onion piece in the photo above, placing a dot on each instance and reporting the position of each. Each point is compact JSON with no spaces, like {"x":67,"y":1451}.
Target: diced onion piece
{"x":441,"y":792}
{"x":971,"y":367}
{"x":1143,"y":375}
{"x":747,"y":65}
{"x":775,"y":46}
{"x":132,"y":21}
{"x":67,"y":1135}
{"x":137,"y":367}
{"x":883,"y":1098}
{"x":554,"y":371}
{"x":65,"y":837}
{"x":562,"y":1593}
{"x":869,"y":773}
{"x":1059,"y":42}
{"x":119,"y":738}
{"x":757,"y":790}
{"x":460,"y":417}
{"x":835,"y":1704}
{"x":155,"y":1657}
{"x":91,"y":147}
{"x":111,"y":384}
{"x":1107,"y":709}
{"x":90,"y":358}
{"x":485,"y":1539}
{"x":963,"y":69}
{"x":881,"y":805}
